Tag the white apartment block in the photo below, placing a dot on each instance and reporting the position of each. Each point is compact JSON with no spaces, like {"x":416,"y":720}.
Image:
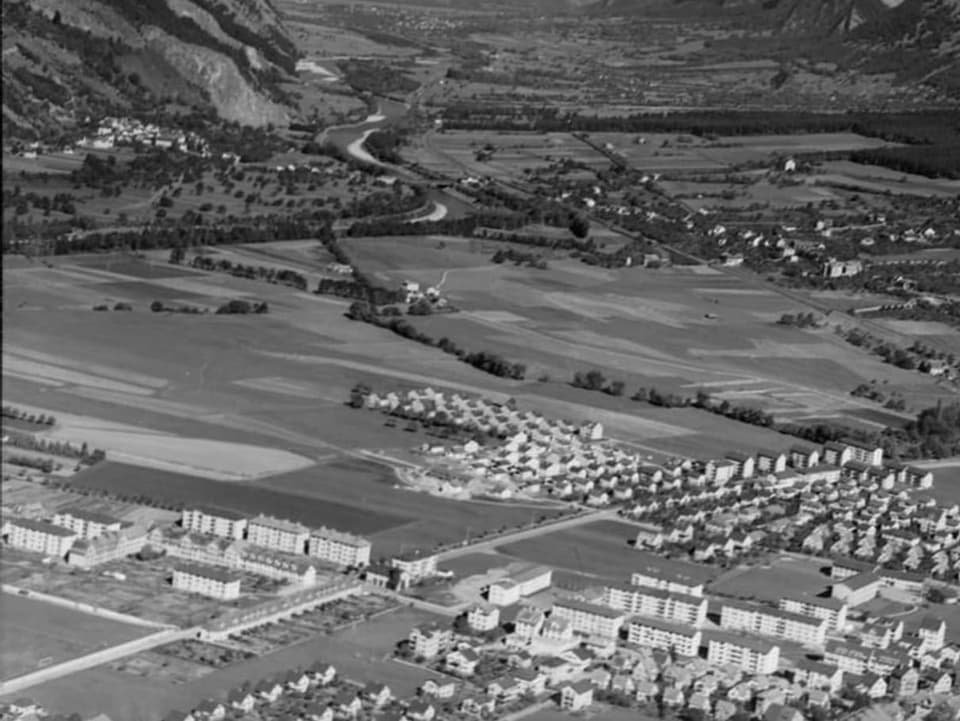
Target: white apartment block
{"x":654,"y":633}
{"x":831,"y":610}
{"x":751,"y":654}
{"x":653,"y":602}
{"x":214,"y":522}
{"x":278,"y":534}
{"x":39,"y":537}
{"x":270,"y":564}
{"x":808,"y":630}
{"x":417,"y":568}
{"x":483,"y":618}
{"x":207,"y":581}
{"x":504,"y":592}
{"x":430,"y":641}
{"x":667,"y":579}
{"x":86,"y":524}
{"x":342,"y":549}
{"x":590,"y":619}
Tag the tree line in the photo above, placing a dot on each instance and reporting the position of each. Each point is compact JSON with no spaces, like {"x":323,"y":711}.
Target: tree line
{"x":40,"y":419}
{"x":488,"y":362}
{"x":279,"y":276}
{"x":64,"y":449}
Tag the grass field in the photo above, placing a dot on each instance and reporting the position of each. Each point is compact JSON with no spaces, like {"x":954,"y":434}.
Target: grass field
{"x":474,"y":563}
{"x":946,"y":484}
{"x":359,"y":653}
{"x":598,"y":549}
{"x":770,"y":583}
{"x":37,"y":634}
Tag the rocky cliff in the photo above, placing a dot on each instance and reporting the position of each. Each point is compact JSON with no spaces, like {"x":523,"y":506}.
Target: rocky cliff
{"x":64,"y":60}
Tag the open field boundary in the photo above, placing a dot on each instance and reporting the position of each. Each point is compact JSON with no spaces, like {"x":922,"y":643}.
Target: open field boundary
{"x":97,"y":658}
{"x":84,"y":607}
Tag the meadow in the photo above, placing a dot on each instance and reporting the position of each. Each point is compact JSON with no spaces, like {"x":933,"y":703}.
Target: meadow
{"x":771,"y":581}
{"x":600,"y":549}
{"x":946,"y":484}
{"x":37,"y":634}
{"x":358,"y":653}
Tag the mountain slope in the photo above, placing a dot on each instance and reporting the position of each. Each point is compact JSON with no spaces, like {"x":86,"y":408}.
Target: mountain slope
{"x":63,"y":61}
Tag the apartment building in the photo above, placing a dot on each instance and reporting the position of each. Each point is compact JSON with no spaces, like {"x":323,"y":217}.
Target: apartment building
{"x":207,"y":581}
{"x":589,"y":618}
{"x":111,"y":546}
{"x":753,"y":655}
{"x":832,"y":610}
{"x":430,"y":641}
{"x":483,"y":618}
{"x":214,"y":521}
{"x":808,"y":630}
{"x":672,"y":576}
{"x":657,"y":603}
{"x":86,"y":524}
{"x":39,"y":537}
{"x":656,"y":633}
{"x":278,"y":534}
{"x":342,"y":549}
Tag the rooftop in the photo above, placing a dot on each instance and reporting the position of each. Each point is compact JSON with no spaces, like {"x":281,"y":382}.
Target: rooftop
{"x":41,"y":527}
{"x":218,"y":512}
{"x":735,"y":639}
{"x":212,"y":572}
{"x":662,"y":625}
{"x":332,"y":534}
{"x":591,"y":608}
{"x":89,"y":516}
{"x":279,"y":524}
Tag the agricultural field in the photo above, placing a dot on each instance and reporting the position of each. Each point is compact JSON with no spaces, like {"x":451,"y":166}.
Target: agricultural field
{"x":38,"y":634}
{"x":946,"y":483}
{"x":360,"y":653}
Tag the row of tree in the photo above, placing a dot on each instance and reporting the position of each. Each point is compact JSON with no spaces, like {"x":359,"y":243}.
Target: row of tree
{"x":488,"y":362}
{"x":19,"y":414}
{"x":28,"y":442}
{"x":279,"y":276}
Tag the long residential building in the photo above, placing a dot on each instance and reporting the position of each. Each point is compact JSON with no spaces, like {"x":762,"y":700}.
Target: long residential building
{"x":86,"y":524}
{"x":589,"y":618}
{"x":672,"y":576}
{"x":655,"y":633}
{"x":207,"y":581}
{"x":39,"y":537}
{"x":110,"y":546}
{"x":214,"y":522}
{"x":832,"y":610}
{"x":278,"y":534}
{"x":337,"y":547}
{"x":657,"y":603}
{"x":753,"y":655}
{"x":808,"y":630}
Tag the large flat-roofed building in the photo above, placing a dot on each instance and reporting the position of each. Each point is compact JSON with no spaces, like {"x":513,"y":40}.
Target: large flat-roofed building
{"x":657,"y":603}
{"x":750,"y":654}
{"x":39,"y":537}
{"x":509,"y":590}
{"x":111,"y":546}
{"x":86,"y":524}
{"x":857,"y":590}
{"x":278,"y":534}
{"x":342,"y":549}
{"x":808,"y":630}
{"x":673,"y":576}
{"x":214,"y":521}
{"x":503,"y":592}
{"x":589,"y":618}
{"x":832,"y":610}
{"x":207,"y":581}
{"x":655,"y":633}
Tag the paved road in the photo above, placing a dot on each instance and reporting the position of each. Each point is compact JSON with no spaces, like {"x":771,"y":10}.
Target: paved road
{"x":490,"y":544}
{"x":98,"y":658}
